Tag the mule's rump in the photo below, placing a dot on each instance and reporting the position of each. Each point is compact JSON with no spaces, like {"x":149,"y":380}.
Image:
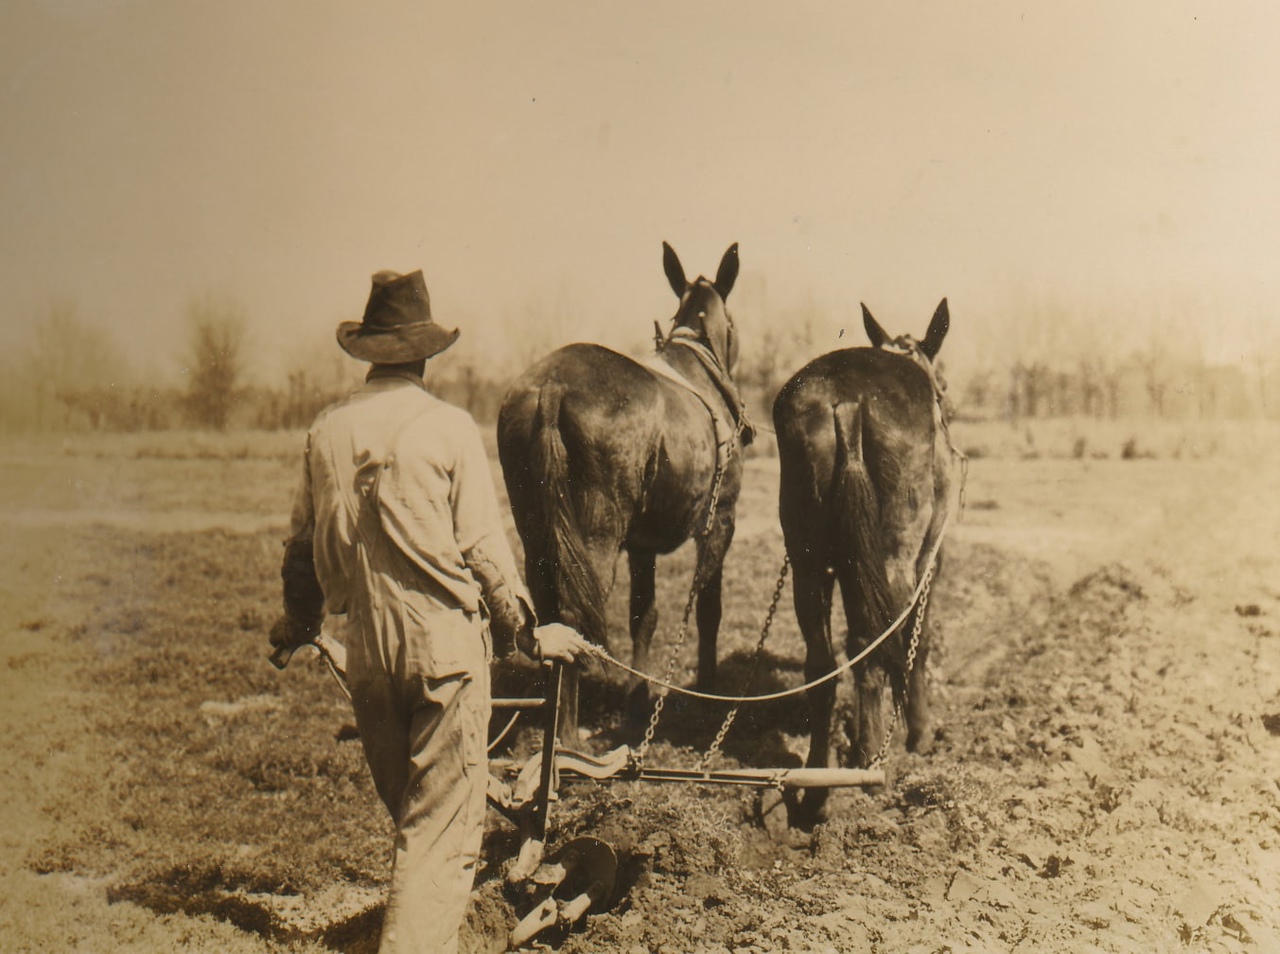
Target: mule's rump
{"x":637,"y":444}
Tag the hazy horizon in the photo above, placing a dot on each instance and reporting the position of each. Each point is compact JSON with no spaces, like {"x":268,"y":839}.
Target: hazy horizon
{"x":1114,"y":164}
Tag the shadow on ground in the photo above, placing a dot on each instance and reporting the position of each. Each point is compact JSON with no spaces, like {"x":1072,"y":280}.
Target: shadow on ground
{"x":355,"y":933}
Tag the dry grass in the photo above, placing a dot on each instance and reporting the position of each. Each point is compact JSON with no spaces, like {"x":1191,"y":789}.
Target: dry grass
{"x":1125,"y":439}
{"x":1054,"y":438}
{"x":160,"y":445}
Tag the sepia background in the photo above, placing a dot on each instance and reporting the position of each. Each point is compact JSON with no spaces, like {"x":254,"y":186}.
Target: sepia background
{"x":192,"y":196}
{"x":1092,"y":187}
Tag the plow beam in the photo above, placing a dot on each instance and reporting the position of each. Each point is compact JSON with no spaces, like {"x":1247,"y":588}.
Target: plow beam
{"x":766,"y":778}
{"x":618,"y":766}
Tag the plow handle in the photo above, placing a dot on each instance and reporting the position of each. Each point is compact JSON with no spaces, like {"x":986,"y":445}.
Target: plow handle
{"x":281,"y":655}
{"x":331,"y":651}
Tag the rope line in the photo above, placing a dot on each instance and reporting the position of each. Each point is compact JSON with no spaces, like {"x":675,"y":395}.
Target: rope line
{"x":603,"y":654}
{"x":511,"y":724}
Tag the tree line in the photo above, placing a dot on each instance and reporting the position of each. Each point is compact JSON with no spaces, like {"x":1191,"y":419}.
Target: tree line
{"x":71,"y":376}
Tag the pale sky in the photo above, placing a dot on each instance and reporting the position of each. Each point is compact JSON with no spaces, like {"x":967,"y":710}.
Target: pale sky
{"x":532,"y":157}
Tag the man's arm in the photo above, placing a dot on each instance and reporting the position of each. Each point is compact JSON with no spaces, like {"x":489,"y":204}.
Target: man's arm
{"x":303,"y":597}
{"x":483,"y":543}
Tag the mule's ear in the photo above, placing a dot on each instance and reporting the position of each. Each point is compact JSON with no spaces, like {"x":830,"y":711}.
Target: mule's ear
{"x":728,"y":271}
{"x":675,"y":271}
{"x":938,"y":326}
{"x":875,"y":333}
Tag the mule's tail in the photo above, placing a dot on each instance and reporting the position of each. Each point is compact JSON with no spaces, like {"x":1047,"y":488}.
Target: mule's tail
{"x":861,"y":550}
{"x":566,"y":562}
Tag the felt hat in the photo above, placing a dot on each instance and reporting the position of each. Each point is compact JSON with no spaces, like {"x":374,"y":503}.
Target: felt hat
{"x":397,"y":326}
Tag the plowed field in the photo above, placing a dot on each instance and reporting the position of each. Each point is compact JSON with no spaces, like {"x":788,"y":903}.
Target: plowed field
{"x":1106,"y":775}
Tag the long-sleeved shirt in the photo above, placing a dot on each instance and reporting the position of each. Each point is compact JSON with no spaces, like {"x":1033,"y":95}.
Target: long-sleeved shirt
{"x":392,"y":463}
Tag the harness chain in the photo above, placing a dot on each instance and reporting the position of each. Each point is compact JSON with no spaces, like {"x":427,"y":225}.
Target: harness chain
{"x":637,"y":758}
{"x":714,"y":750}
{"x":912,"y":647}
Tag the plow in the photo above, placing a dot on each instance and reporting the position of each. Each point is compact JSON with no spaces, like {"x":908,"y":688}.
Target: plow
{"x":562,"y":886}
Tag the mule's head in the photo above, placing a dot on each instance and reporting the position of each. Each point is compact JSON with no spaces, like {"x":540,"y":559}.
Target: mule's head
{"x":702,"y":310}
{"x":929,"y":346}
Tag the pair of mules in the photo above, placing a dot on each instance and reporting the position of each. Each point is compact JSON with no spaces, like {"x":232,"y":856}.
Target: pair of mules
{"x":603,"y":454}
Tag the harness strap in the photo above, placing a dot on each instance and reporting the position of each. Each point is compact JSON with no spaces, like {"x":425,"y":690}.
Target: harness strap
{"x":908,"y":346}
{"x":715,"y":369}
{"x":725,"y":430}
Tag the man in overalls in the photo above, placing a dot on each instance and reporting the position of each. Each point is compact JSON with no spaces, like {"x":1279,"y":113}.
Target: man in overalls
{"x":397,"y":526}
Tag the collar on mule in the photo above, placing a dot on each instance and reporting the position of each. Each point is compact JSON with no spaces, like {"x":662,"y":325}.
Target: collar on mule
{"x":719,"y":374}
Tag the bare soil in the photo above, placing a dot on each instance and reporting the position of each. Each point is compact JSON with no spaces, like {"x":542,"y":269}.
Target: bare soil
{"x":1105,"y":776}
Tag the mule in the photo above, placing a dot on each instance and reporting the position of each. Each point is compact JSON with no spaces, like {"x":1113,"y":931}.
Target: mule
{"x":603,"y":453}
{"x":865,"y":479}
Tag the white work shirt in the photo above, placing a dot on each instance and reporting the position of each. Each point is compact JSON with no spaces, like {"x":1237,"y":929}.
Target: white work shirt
{"x":398,"y":501}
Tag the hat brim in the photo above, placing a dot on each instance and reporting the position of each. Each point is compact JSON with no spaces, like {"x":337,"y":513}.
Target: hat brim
{"x":399,"y":345}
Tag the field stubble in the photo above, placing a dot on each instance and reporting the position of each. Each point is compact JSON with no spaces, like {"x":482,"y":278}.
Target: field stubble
{"x":1105,"y":776}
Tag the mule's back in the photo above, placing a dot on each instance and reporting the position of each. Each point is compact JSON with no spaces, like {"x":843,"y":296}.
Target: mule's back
{"x":605,"y":398}
{"x":628,"y":432}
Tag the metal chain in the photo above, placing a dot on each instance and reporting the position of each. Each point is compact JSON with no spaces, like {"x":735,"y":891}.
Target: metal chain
{"x":638,"y":756}
{"x":714,"y":750}
{"x":912,"y":647}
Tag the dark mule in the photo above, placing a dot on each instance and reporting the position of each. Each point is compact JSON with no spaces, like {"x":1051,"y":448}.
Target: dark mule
{"x":603,"y":453}
{"x":866,"y":467}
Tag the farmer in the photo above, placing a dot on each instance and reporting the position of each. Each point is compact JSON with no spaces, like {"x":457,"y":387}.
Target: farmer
{"x":396,"y":525}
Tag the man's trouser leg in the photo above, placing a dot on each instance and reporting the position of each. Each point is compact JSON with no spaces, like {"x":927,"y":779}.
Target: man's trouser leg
{"x":440,"y":821}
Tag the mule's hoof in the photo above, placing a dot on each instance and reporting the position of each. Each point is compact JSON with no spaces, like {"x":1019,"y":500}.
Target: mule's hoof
{"x":637,"y":706}
{"x":805,"y":811}
{"x":772,"y":810}
{"x":920,"y":743}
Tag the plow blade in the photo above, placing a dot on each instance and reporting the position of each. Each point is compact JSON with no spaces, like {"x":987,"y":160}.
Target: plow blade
{"x":581,"y":878}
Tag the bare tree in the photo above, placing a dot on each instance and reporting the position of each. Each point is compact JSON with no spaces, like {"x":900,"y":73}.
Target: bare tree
{"x":63,"y":360}
{"x":215,"y":360}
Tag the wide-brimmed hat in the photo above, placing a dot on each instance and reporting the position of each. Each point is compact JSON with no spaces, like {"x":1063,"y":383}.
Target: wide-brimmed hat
{"x":397,"y":325}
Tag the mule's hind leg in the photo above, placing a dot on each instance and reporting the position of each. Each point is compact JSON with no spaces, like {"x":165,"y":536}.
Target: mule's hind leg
{"x":865,"y":723}
{"x":601,"y":563}
{"x":812,"y":590}
{"x":539,"y":575}
{"x":644,"y":620}
{"x":910,"y":531}
{"x":919,"y":719}
{"x":920,"y":734}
